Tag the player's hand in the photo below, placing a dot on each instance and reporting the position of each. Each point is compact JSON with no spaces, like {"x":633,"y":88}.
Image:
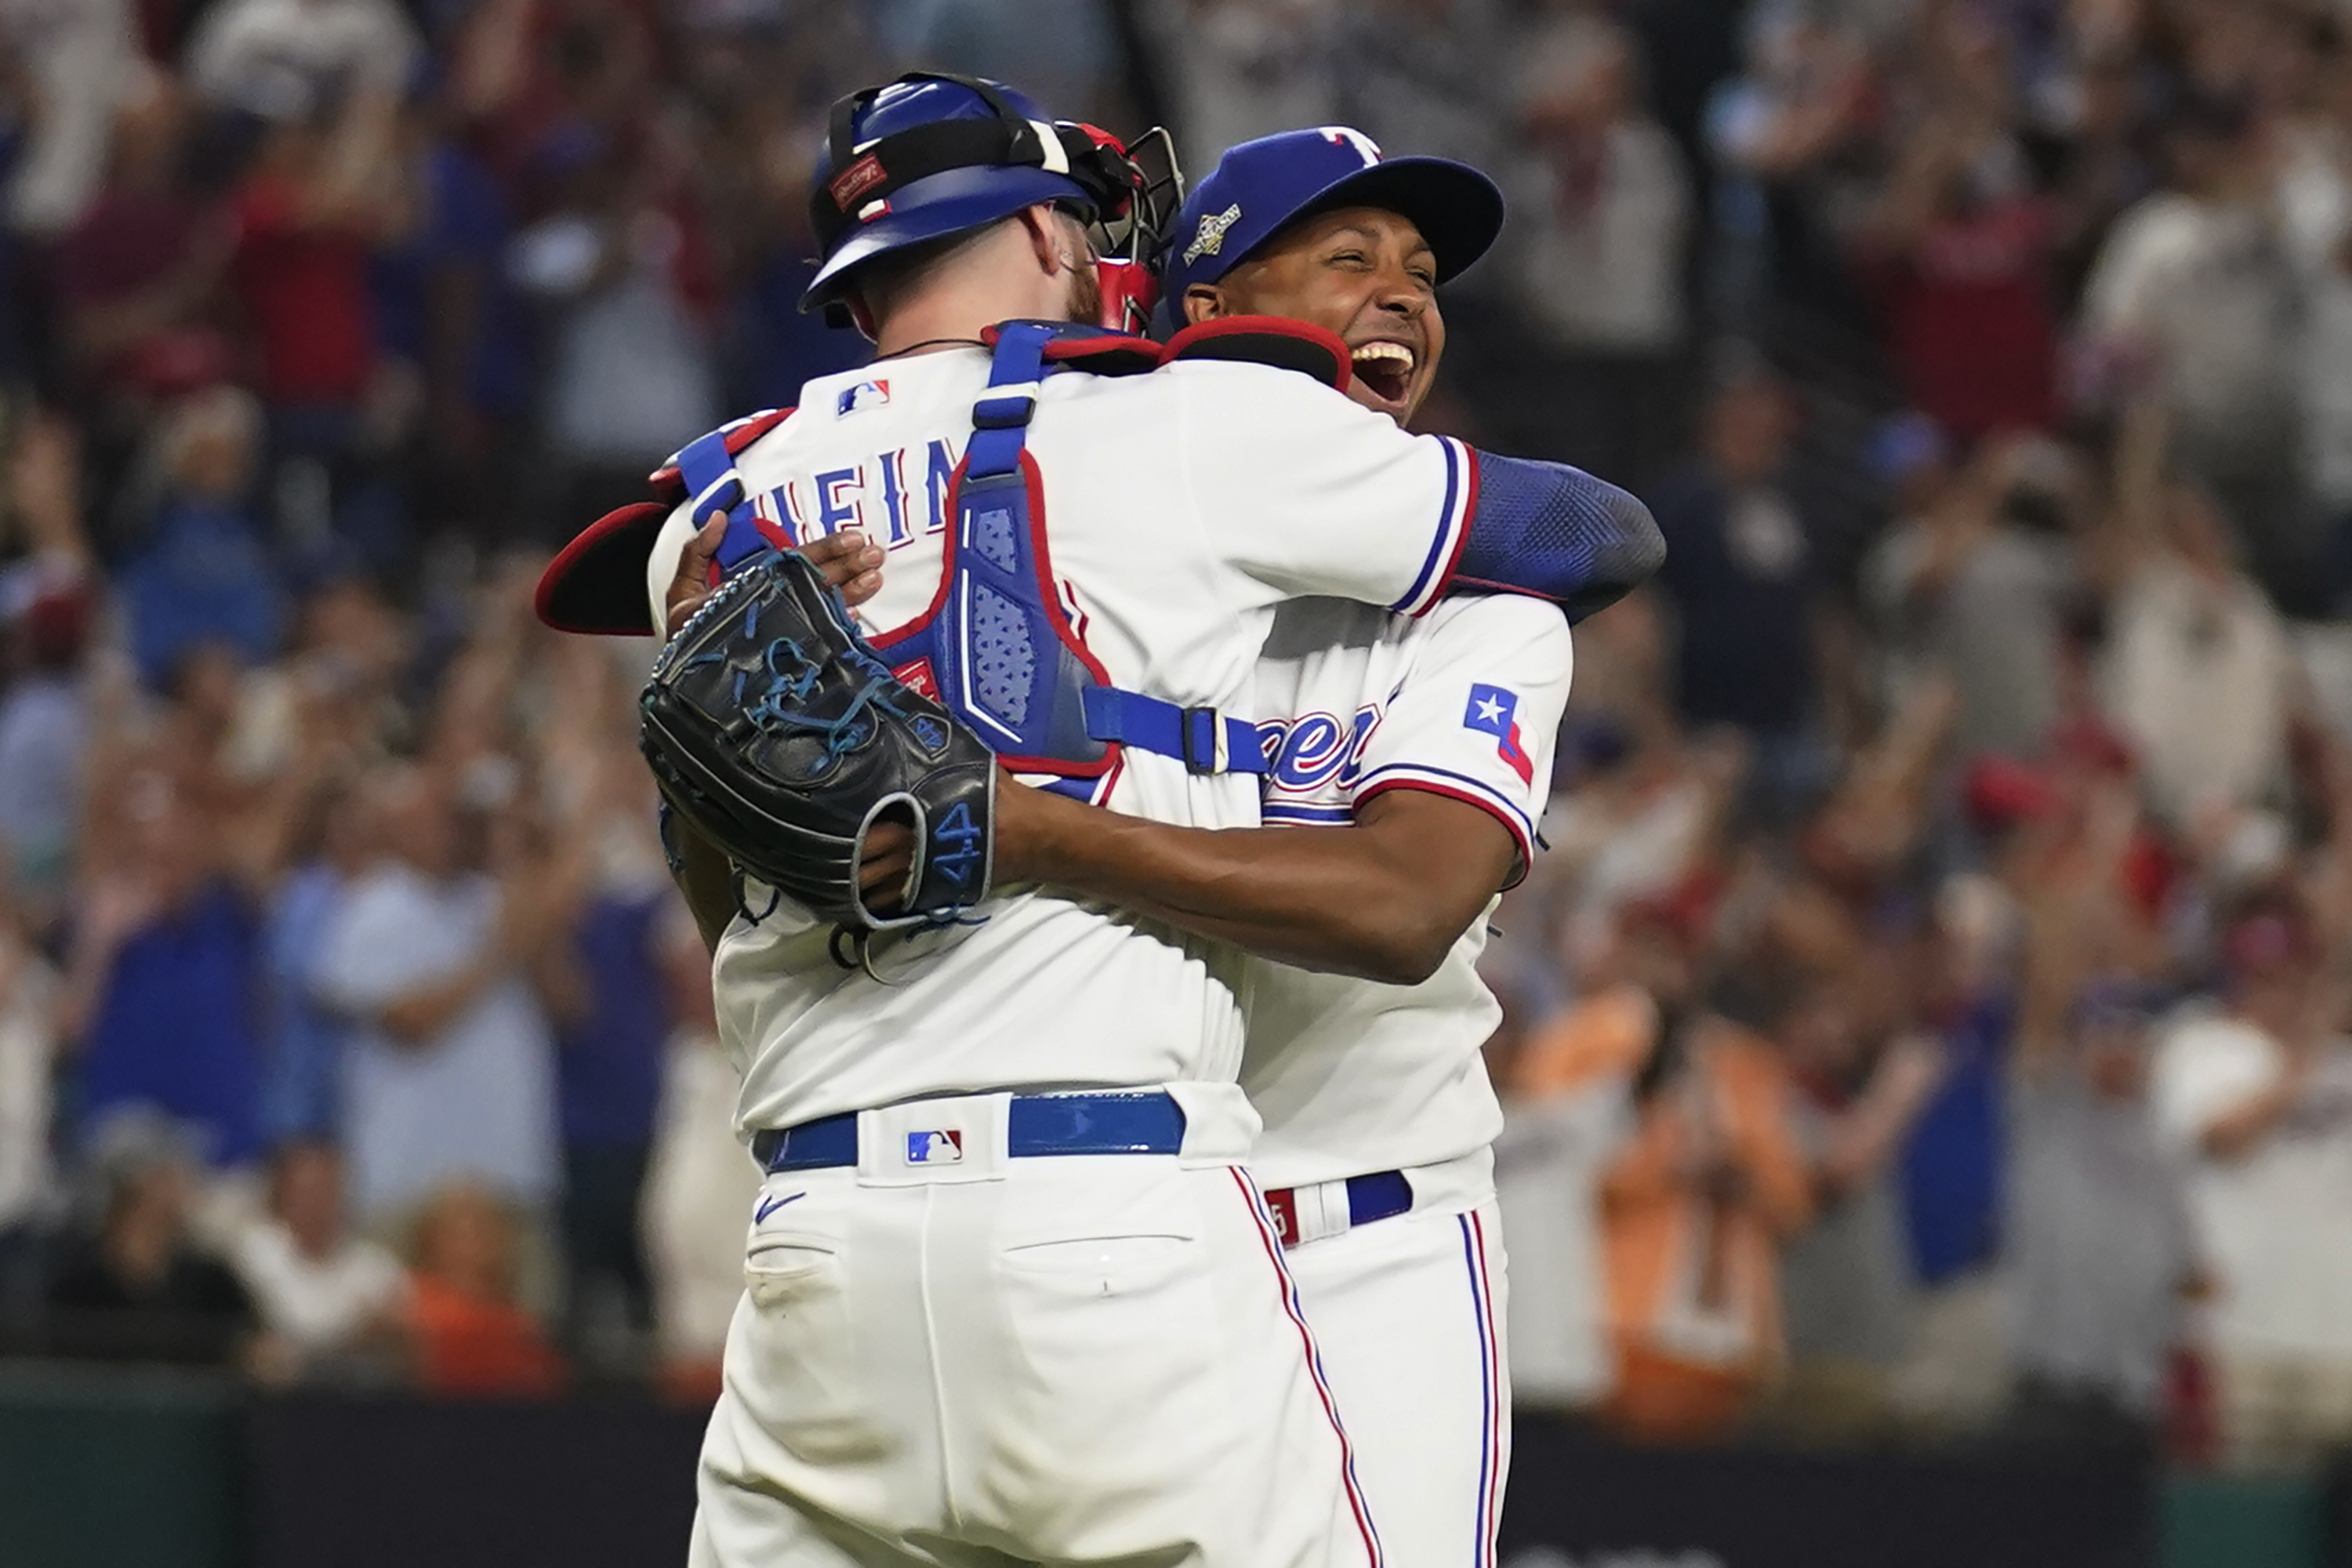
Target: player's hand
{"x":850,"y":560}
{"x":888,"y":866}
{"x":692,"y":584}
{"x":850,"y":563}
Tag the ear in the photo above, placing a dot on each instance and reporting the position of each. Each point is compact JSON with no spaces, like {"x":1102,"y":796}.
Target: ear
{"x":860,"y":316}
{"x":1204,"y":302}
{"x":1045,"y":241}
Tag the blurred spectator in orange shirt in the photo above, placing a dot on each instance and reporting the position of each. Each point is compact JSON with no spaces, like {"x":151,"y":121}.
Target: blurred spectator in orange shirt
{"x":1693,"y":1213}
{"x":1567,"y":1111}
{"x":471,"y":1337}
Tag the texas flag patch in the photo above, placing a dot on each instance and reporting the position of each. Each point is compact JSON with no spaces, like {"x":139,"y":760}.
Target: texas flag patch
{"x":1494,"y":711}
{"x":865,"y":394}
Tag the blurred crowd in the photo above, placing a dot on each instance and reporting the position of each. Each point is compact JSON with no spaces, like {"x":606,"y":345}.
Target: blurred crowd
{"x":1930,"y":1018}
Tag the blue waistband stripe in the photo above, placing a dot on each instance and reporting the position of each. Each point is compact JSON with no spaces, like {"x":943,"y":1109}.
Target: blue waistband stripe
{"x":1144,"y":1121}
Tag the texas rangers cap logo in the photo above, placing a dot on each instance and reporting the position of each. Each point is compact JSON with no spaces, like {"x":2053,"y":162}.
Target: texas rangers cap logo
{"x":1494,"y":710}
{"x":1210,"y":237}
{"x":941,"y":1147}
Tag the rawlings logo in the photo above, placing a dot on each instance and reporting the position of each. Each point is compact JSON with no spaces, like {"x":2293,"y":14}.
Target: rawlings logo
{"x":855,"y":181}
{"x":917,"y":677}
{"x":1211,"y":237}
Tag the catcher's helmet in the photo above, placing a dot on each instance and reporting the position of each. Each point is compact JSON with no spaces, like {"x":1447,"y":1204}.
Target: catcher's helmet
{"x":1260,"y":188}
{"x":932,"y":154}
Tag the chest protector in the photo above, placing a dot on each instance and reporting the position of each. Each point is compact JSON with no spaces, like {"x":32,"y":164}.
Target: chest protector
{"x":997,"y":645}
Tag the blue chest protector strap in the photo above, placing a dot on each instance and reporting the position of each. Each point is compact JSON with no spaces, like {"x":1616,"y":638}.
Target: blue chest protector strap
{"x":998,"y":647}
{"x":707,"y":466}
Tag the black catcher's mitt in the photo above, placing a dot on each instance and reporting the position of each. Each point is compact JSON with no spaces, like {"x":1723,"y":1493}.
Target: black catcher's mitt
{"x":777,"y":732}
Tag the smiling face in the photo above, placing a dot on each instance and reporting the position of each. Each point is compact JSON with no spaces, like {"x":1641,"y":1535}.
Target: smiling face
{"x":1364,"y":273}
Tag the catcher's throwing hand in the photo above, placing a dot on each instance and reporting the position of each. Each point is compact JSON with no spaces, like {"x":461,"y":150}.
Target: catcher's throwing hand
{"x":848,"y":561}
{"x":851,"y":563}
{"x":882,"y":870}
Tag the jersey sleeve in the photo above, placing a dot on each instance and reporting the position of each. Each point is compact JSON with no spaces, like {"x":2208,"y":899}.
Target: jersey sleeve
{"x":1307,"y":494}
{"x":1478,"y":714}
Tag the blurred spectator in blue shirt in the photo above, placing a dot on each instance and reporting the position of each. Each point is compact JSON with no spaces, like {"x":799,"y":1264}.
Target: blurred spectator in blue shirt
{"x":446,"y":309}
{"x":162,"y":985}
{"x":605,"y":985}
{"x":300,"y":1096}
{"x":448,"y":1072}
{"x":1743,"y":572}
{"x":609,"y":1075}
{"x":203,"y":575}
{"x":44,"y":729}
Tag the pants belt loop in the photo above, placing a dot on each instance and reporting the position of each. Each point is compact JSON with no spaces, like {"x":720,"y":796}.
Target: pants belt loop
{"x":1306,"y":1214}
{"x":1330,"y":1216}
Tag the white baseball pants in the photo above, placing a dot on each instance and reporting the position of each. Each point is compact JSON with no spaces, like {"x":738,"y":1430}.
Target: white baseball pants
{"x":1091,"y":1359}
{"x":1408,"y":1312}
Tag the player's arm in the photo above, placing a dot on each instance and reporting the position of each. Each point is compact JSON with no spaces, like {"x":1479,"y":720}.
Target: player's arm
{"x":1383,"y":899}
{"x":1450,"y":784}
{"x":1310,"y":495}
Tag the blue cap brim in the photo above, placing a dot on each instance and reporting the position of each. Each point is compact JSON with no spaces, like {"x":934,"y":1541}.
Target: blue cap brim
{"x":954,"y":202}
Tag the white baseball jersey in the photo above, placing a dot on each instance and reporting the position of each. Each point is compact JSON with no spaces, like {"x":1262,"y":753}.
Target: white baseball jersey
{"x":1181,"y":506}
{"x":1351,"y":1075}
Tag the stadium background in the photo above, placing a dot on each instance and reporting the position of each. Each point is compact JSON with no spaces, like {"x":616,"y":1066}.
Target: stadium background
{"x":1931,"y":1108}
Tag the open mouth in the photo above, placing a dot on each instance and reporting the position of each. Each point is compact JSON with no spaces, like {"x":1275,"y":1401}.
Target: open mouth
{"x":1385,"y":368}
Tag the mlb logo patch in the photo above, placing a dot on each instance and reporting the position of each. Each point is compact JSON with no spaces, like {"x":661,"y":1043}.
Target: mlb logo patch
{"x":944,"y":1147}
{"x":865,"y":394}
{"x":1494,"y":710}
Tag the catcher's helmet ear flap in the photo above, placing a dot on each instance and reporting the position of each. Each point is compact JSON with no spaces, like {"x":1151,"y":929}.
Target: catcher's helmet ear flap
{"x":934,"y":154}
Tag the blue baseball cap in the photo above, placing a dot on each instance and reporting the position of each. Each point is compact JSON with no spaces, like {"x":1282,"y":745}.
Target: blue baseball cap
{"x":1262,"y":187}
